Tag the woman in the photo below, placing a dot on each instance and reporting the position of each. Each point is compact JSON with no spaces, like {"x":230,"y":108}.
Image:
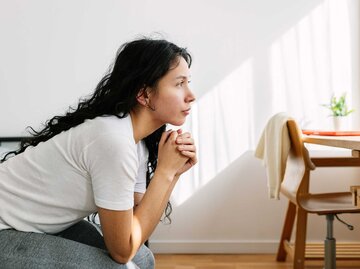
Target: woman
{"x":100,"y":157}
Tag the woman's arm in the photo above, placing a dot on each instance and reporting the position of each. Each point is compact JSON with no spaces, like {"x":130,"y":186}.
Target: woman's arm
{"x":125,"y":231}
{"x":137,"y":198}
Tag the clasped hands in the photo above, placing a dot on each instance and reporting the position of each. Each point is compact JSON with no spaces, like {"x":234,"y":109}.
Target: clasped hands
{"x":177,"y":152}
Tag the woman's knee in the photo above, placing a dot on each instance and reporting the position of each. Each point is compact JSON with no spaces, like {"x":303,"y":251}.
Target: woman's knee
{"x":144,"y":258}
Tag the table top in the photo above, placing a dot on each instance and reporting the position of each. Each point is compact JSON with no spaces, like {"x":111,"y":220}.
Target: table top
{"x":348,"y":142}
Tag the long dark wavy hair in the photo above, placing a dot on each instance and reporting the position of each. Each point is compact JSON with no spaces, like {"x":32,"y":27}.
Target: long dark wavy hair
{"x":139,"y":64}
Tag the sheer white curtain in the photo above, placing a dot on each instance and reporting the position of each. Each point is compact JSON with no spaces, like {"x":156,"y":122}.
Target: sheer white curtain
{"x":301,"y":69}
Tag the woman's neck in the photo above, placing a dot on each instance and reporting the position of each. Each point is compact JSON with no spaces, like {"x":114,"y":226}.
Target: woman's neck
{"x":143,"y":124}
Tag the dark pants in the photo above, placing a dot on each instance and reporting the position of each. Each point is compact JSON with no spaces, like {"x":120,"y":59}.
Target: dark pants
{"x":80,"y":246}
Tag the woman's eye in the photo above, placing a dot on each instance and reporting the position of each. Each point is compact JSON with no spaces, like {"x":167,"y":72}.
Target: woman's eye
{"x":181,"y":83}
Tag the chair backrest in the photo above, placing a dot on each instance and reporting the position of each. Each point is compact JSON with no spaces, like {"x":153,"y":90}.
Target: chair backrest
{"x":298,"y":165}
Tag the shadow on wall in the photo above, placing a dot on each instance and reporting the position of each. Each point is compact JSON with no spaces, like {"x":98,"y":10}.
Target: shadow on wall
{"x":227,"y":203}
{"x":234,"y":208}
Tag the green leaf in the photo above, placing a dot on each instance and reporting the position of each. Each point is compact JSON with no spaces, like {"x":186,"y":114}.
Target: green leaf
{"x":338,"y":106}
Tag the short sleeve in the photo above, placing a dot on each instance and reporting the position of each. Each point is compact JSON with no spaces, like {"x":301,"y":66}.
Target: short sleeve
{"x":112,"y":163}
{"x":140,"y":185}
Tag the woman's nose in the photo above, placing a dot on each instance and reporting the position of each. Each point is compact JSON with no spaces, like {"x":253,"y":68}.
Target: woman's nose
{"x":190,"y":97}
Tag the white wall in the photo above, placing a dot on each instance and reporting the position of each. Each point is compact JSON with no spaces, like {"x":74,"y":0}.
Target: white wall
{"x":53,"y":52}
{"x":232,"y":213}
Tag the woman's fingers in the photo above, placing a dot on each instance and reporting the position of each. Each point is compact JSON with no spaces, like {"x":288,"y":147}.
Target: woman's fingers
{"x":164,"y":137}
{"x":186,"y":144}
{"x":190,"y":147}
{"x":185,"y":139}
{"x":191,"y":155}
{"x":170,"y":159}
{"x":186,"y":147}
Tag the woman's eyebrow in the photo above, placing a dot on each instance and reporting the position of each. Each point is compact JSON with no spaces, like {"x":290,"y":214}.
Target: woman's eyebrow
{"x":183,"y":77}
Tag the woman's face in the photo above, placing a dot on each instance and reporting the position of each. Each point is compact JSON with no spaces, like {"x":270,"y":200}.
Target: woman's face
{"x":172,"y":97}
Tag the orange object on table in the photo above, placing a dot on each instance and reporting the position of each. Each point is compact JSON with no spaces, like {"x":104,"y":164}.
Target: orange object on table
{"x":331,"y":133}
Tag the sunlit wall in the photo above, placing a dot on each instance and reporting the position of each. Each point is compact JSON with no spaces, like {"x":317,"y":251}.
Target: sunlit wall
{"x":300,"y":70}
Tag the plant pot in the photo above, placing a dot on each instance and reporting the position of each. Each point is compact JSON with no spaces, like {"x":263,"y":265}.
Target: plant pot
{"x":340,"y":123}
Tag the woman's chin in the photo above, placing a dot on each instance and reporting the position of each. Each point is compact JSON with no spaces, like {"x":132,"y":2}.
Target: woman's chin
{"x":177,"y":122}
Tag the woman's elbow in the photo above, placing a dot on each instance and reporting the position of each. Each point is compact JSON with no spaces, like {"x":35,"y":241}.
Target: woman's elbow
{"x":123,"y":259}
{"x":122,"y":254}
{"x":143,"y":253}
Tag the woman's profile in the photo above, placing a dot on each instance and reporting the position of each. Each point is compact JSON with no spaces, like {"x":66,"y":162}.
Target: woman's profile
{"x":111,"y":154}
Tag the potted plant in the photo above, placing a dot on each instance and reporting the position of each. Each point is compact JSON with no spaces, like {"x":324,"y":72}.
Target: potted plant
{"x":339,"y":110}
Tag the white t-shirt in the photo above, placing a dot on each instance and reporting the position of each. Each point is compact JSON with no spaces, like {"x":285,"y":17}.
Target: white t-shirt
{"x":52,"y":186}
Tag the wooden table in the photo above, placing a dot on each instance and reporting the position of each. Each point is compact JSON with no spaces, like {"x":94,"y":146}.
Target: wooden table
{"x":348,"y":142}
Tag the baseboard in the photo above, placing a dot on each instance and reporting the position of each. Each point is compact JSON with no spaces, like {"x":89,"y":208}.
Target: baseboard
{"x":221,"y":247}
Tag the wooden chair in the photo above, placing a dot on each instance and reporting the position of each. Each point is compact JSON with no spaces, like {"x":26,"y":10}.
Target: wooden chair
{"x":295,"y":186}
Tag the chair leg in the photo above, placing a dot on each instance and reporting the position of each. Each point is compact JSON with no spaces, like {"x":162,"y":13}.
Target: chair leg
{"x":330,"y":244}
{"x":286,"y":231}
{"x":300,"y":239}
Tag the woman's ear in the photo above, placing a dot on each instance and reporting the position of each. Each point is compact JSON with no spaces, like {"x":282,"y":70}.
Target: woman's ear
{"x":142,"y":97}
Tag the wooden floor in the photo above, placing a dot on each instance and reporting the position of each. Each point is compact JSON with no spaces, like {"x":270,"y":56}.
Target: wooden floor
{"x":238,"y":261}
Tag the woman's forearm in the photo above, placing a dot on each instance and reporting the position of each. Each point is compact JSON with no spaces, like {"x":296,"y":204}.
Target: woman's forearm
{"x":148,"y":213}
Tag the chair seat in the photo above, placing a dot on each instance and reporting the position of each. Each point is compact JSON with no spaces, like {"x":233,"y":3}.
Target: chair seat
{"x":328,"y":203}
